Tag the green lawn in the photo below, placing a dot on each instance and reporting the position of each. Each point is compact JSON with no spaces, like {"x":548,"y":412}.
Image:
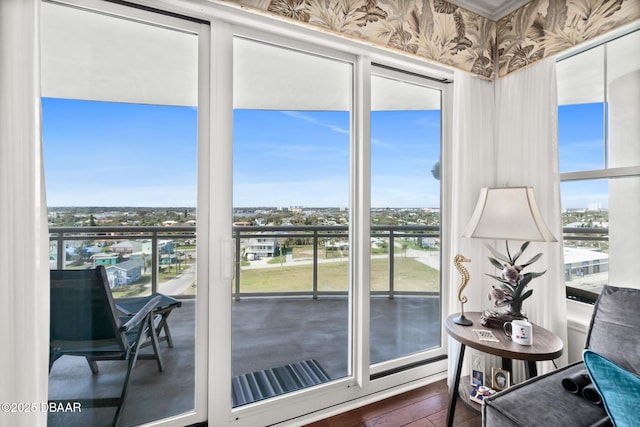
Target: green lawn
{"x":410,"y":275}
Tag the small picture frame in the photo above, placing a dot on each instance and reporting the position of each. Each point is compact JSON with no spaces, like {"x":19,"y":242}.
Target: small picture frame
{"x":477,"y":378}
{"x":500,"y":379}
{"x":477,"y":371}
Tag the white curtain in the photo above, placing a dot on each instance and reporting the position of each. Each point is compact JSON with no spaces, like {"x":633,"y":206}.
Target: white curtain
{"x":527,"y":153}
{"x":505,"y":134}
{"x":24,"y":261}
{"x":473,"y":166}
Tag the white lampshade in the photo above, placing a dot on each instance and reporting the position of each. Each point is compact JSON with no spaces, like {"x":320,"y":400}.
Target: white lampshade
{"x":509,"y":213}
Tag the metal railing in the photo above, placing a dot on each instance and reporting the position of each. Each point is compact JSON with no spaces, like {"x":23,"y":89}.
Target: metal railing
{"x":584,"y":237}
{"x":155,"y":234}
{"x":312,"y":235}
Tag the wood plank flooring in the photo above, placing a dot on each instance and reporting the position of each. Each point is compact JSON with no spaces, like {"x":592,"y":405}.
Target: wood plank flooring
{"x":423,"y":407}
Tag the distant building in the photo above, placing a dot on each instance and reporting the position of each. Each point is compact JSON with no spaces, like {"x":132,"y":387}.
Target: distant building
{"x":125,"y":273}
{"x":261,"y":246}
{"x":580,"y":262}
{"x":104,"y":258}
{"x":126,"y":247}
{"x":429,"y":242}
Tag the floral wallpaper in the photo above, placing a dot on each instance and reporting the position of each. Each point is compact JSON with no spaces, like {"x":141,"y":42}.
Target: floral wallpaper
{"x":542,"y":28}
{"x":434,"y":30}
{"x":441,"y":32}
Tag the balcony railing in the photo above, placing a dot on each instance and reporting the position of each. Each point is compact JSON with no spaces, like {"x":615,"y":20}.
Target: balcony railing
{"x":590,"y":238}
{"x":155,"y":234}
{"x":318,"y":235}
{"x":314,"y":236}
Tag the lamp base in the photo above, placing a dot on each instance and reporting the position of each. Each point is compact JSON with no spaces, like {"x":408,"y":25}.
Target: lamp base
{"x":461,"y":320}
{"x":495,"y":319}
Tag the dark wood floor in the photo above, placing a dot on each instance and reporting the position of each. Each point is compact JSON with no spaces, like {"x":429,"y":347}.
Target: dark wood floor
{"x":423,"y":407}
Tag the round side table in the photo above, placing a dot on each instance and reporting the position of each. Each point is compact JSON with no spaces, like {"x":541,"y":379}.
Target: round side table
{"x":546,"y":346}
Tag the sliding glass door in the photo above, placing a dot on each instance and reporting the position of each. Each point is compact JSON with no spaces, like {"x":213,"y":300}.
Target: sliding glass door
{"x":120,"y":127}
{"x":291,"y":145}
{"x":406,"y":298}
{"x":284,"y":189}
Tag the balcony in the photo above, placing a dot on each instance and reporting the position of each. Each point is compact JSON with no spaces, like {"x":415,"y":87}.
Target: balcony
{"x":303,"y":320}
{"x":296,"y":322}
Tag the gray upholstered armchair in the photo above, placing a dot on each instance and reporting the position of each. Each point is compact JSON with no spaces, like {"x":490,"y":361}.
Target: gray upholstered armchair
{"x":543,"y":401}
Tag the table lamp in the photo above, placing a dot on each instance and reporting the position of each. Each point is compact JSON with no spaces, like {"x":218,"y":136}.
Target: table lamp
{"x":509,"y":213}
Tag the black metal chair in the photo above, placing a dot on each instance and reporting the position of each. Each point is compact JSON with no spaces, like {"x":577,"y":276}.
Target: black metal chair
{"x":85,"y":323}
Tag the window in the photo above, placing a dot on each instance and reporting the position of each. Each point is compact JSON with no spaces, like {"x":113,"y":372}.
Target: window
{"x":120,"y":123}
{"x":291,"y":156}
{"x":277,"y":142}
{"x":405,"y":218}
{"x":599,"y":148}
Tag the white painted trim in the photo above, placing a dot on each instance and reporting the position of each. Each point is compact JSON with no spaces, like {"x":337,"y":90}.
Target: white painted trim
{"x":620,"y":172}
{"x":579,"y":315}
{"x":220,"y":217}
{"x":202,"y":222}
{"x":597,"y":41}
{"x":360,"y":222}
{"x":493,"y":10}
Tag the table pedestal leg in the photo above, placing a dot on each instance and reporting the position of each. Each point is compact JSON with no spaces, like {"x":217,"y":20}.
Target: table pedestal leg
{"x":531,"y":369}
{"x":453,"y":392}
{"x":507,"y":364}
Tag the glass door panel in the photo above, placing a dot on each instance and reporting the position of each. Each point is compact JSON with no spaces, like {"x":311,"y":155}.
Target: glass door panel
{"x":405,"y":216}
{"x":291,"y":142}
{"x":120,"y":160}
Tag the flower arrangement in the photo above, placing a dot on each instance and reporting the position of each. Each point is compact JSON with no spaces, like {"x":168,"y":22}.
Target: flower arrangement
{"x":513,"y":283}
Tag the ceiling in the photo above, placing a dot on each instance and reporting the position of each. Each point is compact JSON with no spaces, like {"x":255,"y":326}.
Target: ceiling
{"x":492,"y":9}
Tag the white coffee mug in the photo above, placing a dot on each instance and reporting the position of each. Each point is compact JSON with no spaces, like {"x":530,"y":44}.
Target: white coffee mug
{"x":520,"y":331}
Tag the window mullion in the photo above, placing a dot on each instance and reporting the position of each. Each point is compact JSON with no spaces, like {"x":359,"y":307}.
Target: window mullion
{"x":360,"y":221}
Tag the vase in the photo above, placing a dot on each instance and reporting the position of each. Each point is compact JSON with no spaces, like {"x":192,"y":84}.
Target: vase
{"x":515,"y":309}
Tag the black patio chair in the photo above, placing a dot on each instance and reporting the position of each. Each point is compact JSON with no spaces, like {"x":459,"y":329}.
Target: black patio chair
{"x":85,"y":323}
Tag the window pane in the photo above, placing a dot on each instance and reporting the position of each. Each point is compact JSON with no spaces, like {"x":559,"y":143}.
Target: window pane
{"x":120,"y":163}
{"x":405,"y":217}
{"x":581,"y":113}
{"x":291,"y":139}
{"x":581,"y":137}
{"x":597,"y":136}
{"x":585,"y":207}
{"x":623,"y":83}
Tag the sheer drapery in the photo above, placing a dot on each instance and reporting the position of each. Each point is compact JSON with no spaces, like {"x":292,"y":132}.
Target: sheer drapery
{"x":473,"y":166}
{"x":527,"y":154}
{"x":24,"y":261}
{"x":509,"y":139}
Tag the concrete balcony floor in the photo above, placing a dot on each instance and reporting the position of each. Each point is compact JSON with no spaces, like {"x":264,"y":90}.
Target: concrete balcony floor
{"x":267,"y":333}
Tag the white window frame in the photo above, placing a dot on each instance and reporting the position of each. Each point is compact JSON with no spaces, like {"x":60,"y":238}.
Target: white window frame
{"x":203,"y":32}
{"x":605,"y":172}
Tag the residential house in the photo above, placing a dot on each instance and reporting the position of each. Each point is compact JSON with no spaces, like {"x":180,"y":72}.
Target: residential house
{"x":104,"y":258}
{"x":258,"y":247}
{"x":124,"y":273}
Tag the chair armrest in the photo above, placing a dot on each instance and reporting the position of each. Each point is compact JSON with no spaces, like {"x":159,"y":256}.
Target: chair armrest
{"x":141,"y":315}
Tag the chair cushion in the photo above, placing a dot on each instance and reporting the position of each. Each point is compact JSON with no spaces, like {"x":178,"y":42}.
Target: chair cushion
{"x":614,"y":327}
{"x":619,"y":388}
{"x":542,"y":401}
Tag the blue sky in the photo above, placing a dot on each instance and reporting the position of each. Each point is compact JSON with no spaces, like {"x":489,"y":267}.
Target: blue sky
{"x":581,"y":148}
{"x":113,"y":154}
